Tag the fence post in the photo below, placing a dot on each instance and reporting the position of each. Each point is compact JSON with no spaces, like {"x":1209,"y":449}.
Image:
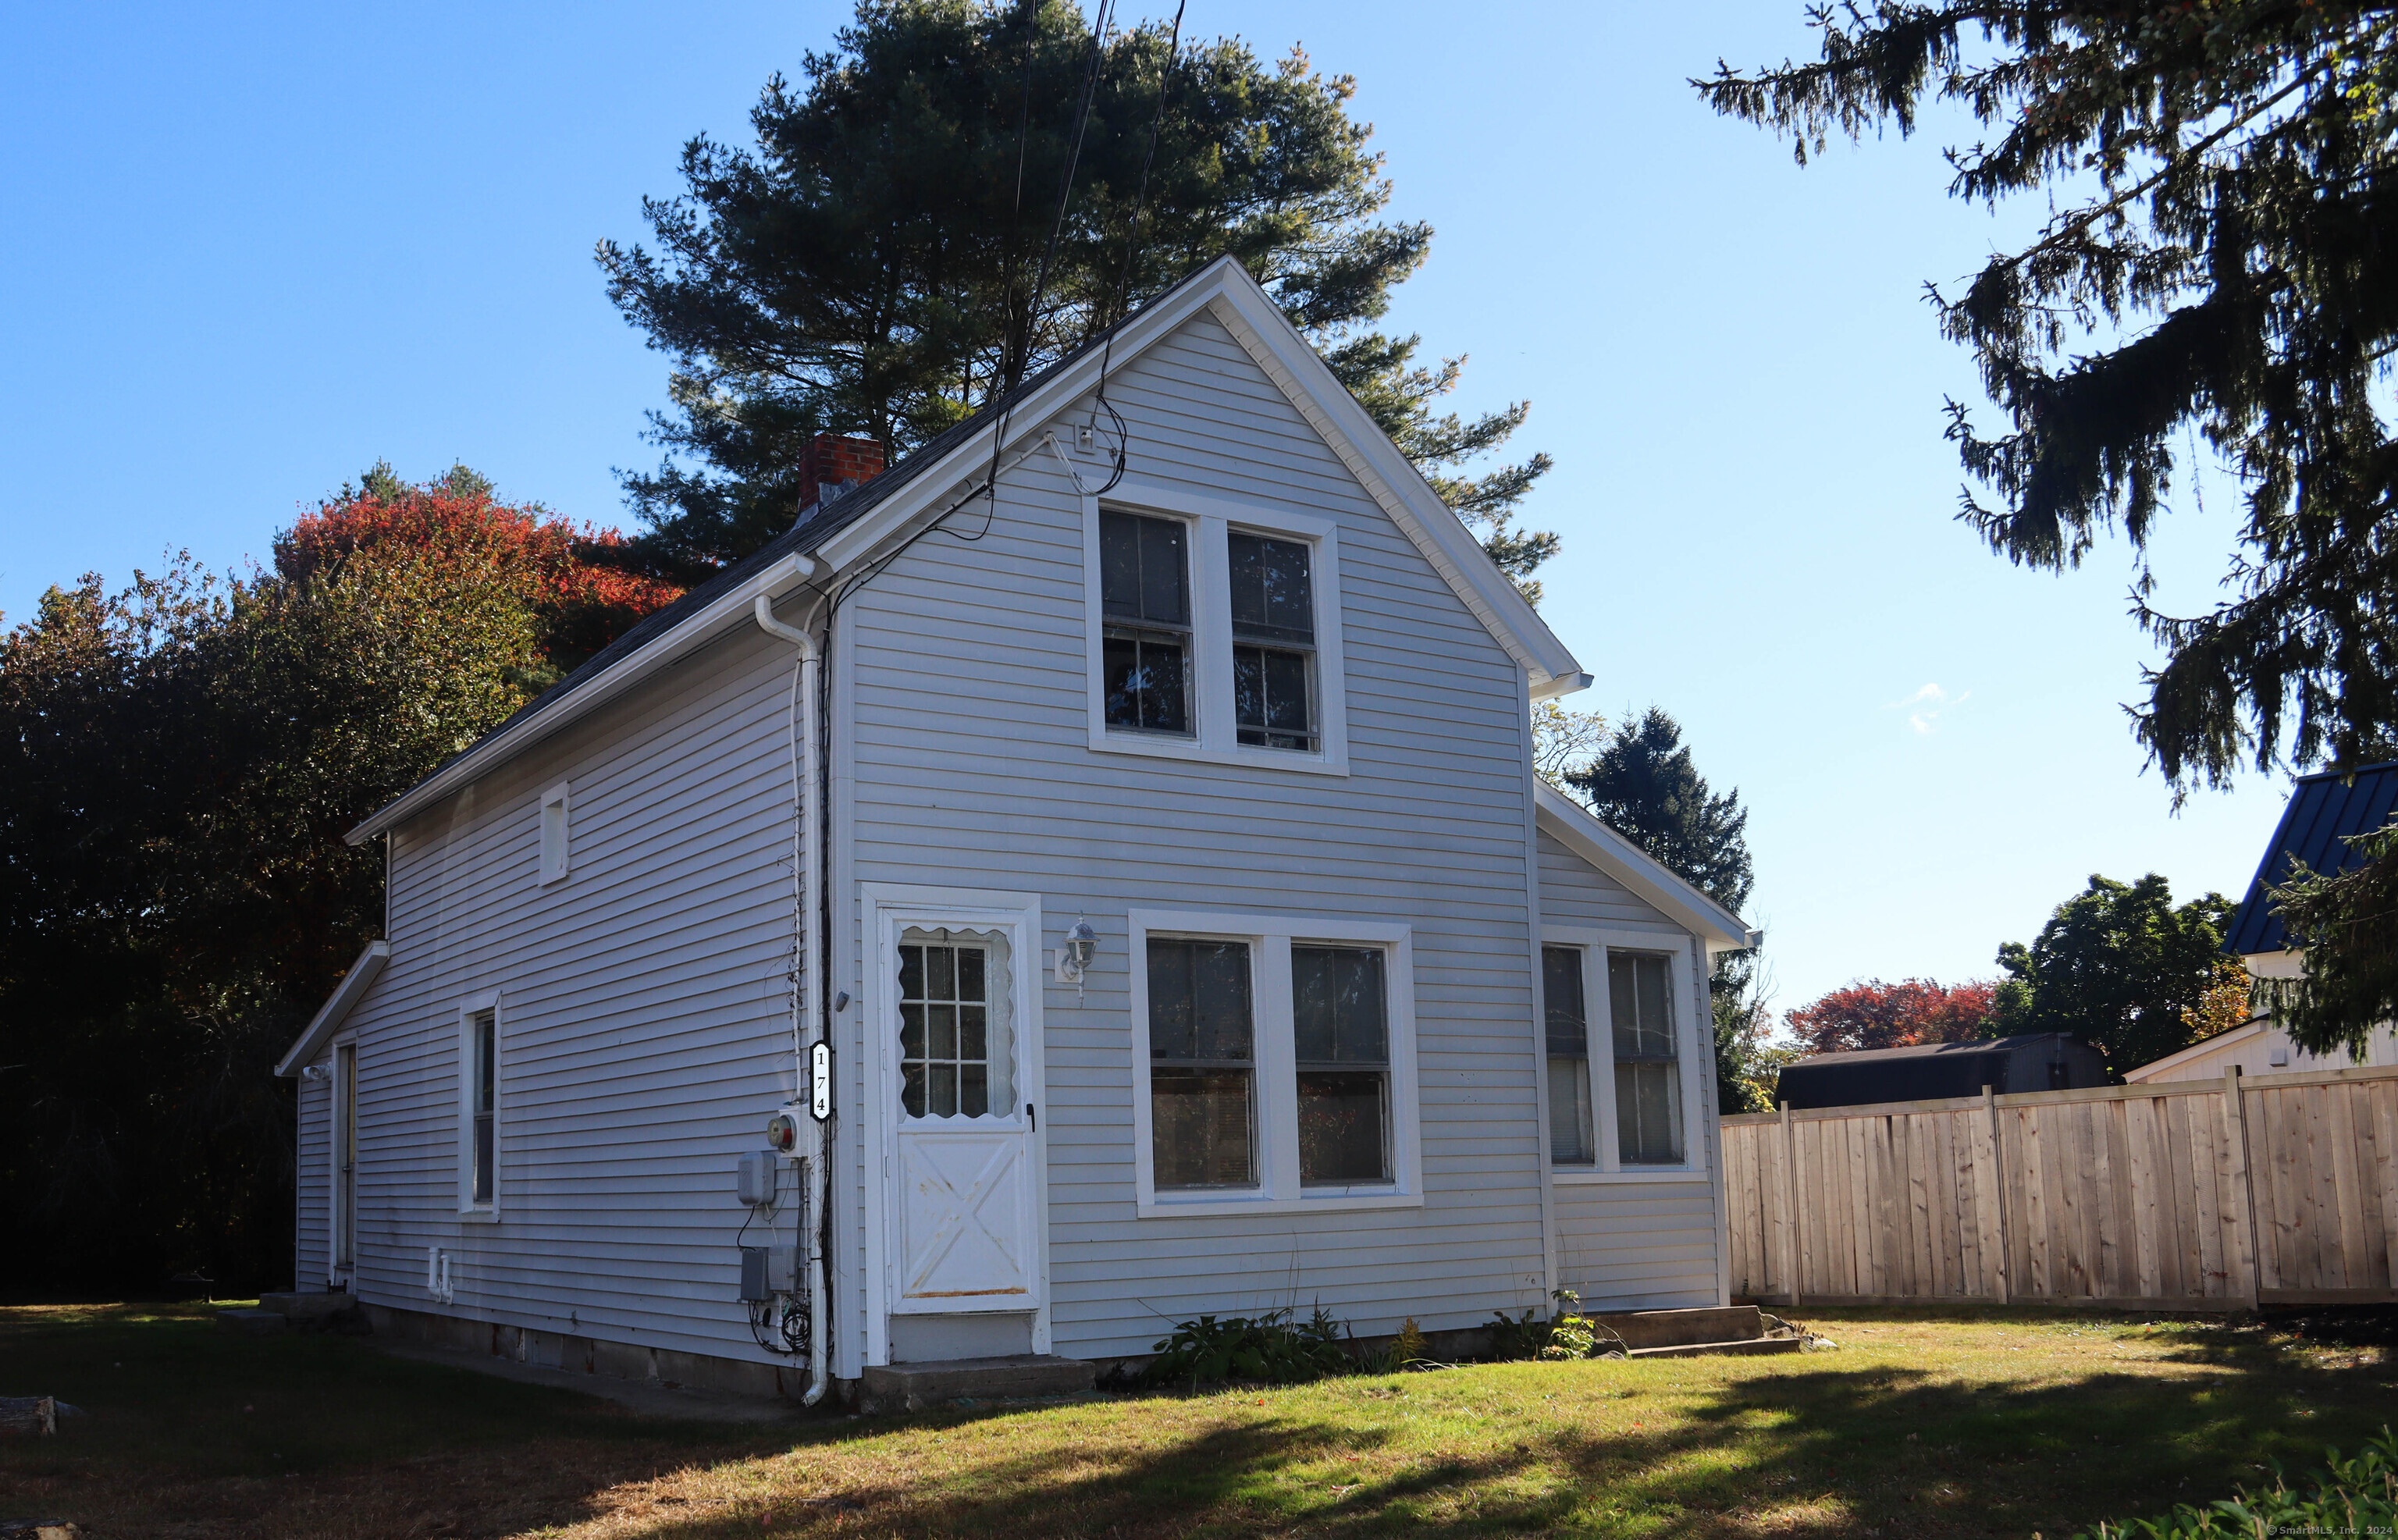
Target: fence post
{"x":1790,"y":1187}
{"x":1999,"y":1195}
{"x":2236,"y":1106}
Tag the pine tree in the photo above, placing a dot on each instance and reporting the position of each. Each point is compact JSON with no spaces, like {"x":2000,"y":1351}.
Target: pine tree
{"x":2219,"y":262}
{"x":869,"y":265}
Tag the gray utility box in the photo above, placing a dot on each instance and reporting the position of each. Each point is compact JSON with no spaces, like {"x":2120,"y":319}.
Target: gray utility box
{"x":755,"y":1178}
{"x":767,"y":1271}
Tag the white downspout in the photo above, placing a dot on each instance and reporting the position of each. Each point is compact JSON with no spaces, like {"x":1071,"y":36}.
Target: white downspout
{"x":807,"y":860}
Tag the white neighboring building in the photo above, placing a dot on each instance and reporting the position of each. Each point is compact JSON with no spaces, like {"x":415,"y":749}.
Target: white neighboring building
{"x":2323,"y":811}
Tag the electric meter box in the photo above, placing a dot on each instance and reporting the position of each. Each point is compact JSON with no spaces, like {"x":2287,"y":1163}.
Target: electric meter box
{"x":767,"y":1271}
{"x":755,"y":1176}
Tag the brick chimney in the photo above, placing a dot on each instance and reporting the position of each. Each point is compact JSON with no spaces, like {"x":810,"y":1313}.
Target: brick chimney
{"x":834,"y":463}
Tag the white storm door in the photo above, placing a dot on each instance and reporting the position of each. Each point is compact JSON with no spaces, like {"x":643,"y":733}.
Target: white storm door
{"x":966,"y":1189}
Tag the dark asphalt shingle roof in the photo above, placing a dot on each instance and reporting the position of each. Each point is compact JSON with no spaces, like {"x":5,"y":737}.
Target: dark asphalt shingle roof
{"x":2324,"y":809}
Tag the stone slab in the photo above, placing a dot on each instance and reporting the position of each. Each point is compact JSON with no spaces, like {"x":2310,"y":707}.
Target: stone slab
{"x":920,"y":1386}
{"x":1641,"y":1329}
{"x":252,"y":1322}
{"x":1751,"y":1347}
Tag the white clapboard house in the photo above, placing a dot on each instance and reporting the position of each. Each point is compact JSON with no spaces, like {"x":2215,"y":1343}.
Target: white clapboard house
{"x":1153,"y":864}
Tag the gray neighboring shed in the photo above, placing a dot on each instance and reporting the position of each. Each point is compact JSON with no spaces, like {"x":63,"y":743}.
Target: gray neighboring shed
{"x":1937,"y":1071}
{"x":599,"y":968}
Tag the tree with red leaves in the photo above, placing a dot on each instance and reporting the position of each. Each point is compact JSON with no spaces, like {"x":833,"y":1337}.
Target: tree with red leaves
{"x":1875,"y":1014}
{"x":580,"y":601}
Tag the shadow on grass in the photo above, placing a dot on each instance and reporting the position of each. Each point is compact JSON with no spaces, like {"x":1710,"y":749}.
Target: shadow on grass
{"x":319,"y":1436}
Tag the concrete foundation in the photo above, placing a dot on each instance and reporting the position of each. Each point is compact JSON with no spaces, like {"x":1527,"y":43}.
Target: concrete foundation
{"x":580,"y":1354}
{"x":922,"y":1386}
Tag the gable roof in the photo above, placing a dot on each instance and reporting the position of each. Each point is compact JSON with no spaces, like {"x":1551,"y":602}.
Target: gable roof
{"x":346,"y":995}
{"x":1571,"y":825}
{"x":2324,"y":809}
{"x":841,"y":531}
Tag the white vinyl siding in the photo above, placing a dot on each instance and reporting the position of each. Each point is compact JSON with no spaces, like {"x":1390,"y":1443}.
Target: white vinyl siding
{"x":646,"y":1018}
{"x":971,"y":764}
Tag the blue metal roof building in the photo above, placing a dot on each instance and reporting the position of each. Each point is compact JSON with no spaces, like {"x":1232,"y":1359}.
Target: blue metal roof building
{"x":2324,"y":810}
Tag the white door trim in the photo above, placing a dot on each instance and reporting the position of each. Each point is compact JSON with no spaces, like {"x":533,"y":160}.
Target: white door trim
{"x":884,"y":910}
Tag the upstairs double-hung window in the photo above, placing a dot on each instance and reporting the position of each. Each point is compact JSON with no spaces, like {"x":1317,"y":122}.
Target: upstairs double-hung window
{"x":1145,"y":596}
{"x":1216,"y":634}
{"x":1273,"y":642}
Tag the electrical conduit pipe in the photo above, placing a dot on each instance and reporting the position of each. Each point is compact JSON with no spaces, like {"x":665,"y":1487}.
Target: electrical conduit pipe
{"x":806,"y":861}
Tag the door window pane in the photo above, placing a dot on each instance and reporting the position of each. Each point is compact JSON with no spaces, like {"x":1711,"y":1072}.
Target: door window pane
{"x":1341,"y":1029}
{"x":1569,"y":1043}
{"x":1648,"y":1072}
{"x":1203,"y":1065}
{"x":944,"y":1031}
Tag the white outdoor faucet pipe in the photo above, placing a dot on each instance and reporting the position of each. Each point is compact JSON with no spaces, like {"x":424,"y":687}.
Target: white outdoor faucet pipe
{"x":806,"y":861}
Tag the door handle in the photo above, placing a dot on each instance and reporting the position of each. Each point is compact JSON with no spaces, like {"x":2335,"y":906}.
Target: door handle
{"x":1032,"y":1118}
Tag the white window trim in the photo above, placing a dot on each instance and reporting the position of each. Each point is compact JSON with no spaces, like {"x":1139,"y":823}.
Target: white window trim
{"x":486,"y":1213}
{"x":1270,"y":937}
{"x":554,"y":864}
{"x":1694,"y":1048}
{"x":886,"y":909}
{"x":1211,"y":519}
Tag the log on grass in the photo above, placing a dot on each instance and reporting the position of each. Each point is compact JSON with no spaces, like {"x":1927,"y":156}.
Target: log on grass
{"x":37,"y":1415}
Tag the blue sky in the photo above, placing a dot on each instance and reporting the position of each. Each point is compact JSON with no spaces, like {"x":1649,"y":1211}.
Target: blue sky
{"x":253,"y":249}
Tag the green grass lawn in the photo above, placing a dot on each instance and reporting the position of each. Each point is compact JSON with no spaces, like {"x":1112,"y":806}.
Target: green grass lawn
{"x":1920,"y":1424}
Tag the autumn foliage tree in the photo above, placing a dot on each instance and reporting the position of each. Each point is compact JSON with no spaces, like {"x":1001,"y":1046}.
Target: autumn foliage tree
{"x":1878,"y":1015}
{"x":179,"y":760}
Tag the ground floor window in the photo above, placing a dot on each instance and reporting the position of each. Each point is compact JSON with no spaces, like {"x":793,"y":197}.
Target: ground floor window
{"x":1275,"y":1066}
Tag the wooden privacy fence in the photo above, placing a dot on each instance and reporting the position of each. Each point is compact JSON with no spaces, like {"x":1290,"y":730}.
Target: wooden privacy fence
{"x":2205,"y":1194}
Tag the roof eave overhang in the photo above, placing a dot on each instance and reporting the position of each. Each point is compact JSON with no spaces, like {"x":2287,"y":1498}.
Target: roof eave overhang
{"x":2229,"y":1036}
{"x":1573,"y":826}
{"x":346,"y":995}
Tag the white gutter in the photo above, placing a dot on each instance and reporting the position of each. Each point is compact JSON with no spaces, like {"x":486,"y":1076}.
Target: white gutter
{"x":806,"y":876}
{"x":726,"y":611}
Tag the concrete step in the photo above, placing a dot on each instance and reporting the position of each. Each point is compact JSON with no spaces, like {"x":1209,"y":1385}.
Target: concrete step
{"x":252,"y":1322}
{"x":1711,"y":1324}
{"x":920,"y":1387}
{"x":1744,"y":1347}
{"x":306,"y":1307}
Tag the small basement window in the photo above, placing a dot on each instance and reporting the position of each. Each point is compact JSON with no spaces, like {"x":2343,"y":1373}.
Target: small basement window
{"x":553,"y":834}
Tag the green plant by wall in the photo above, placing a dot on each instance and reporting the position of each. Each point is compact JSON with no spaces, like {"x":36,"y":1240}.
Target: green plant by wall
{"x":1269,"y":1349}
